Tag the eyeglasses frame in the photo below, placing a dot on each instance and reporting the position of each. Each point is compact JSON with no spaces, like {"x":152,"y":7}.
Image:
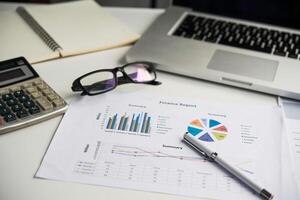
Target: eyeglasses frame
{"x":77,"y":86}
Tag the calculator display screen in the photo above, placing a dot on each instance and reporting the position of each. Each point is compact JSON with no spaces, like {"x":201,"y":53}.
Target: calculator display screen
{"x":15,"y":71}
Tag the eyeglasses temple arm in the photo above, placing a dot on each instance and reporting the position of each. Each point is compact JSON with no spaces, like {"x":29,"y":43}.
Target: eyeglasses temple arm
{"x":155,"y":83}
{"x":76,"y":86}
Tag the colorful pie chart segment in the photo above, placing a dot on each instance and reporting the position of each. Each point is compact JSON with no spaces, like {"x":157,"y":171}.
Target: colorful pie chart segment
{"x":208,"y":130}
{"x":219,"y":136}
{"x":220,"y":128}
{"x":206,"y":137}
{"x":213,"y":123}
{"x":196,"y":123}
{"x":194,"y":131}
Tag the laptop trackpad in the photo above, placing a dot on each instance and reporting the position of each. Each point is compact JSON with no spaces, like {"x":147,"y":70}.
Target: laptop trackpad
{"x":250,"y":66}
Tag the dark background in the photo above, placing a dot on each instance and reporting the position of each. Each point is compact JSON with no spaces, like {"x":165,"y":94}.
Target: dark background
{"x":282,"y":12}
{"x":278,"y":12}
{"x":122,"y":3}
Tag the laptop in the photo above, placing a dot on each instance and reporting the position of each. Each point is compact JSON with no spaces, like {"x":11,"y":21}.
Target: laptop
{"x":248,"y":44}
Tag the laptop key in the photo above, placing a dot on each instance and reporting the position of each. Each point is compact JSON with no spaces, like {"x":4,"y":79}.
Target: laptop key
{"x":198,"y":20}
{"x":211,"y":39}
{"x":187,"y":35}
{"x":178,"y":32}
{"x":199,"y":37}
{"x":279,"y":52}
{"x":189,"y":18}
{"x":292,"y":55}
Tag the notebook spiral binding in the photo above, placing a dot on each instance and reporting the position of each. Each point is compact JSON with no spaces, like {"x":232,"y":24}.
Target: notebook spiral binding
{"x":40,"y":31}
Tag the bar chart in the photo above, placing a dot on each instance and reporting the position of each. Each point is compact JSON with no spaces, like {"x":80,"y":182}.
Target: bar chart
{"x":135,"y":122}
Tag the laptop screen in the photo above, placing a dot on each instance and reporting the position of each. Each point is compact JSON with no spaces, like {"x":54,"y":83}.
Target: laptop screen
{"x":284,"y":13}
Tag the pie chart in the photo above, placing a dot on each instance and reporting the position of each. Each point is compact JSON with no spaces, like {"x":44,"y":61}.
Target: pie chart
{"x":208,"y":130}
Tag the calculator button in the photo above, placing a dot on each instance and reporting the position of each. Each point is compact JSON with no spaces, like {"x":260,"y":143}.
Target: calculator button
{"x":37,"y":82}
{"x":2,"y":104}
{"x":24,"y":98}
{"x":31,"y":90}
{"x":4,"y":111}
{"x":16,"y":88}
{"x":12,"y":102}
{"x":4,"y":91}
{"x":42,"y":86}
{"x":47,"y":91}
{"x":51,"y":97}
{"x":35,"y":95}
{"x":6,"y":97}
{"x":19,"y":93}
{"x":34,"y":109}
{"x":26,"y":85}
{"x":28,"y":104}
{"x":22,"y":113}
{"x":17,"y":107}
{"x":44,"y":103}
{"x":9,"y":117}
{"x":58,"y":102}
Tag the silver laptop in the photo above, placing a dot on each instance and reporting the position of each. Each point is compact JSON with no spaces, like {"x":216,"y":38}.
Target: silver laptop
{"x":249,"y":44}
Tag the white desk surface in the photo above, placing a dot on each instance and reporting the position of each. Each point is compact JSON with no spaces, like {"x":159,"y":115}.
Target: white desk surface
{"x":21,"y":152}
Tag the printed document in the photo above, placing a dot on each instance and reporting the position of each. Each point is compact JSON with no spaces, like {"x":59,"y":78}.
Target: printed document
{"x":135,"y":142}
{"x":291,"y":113}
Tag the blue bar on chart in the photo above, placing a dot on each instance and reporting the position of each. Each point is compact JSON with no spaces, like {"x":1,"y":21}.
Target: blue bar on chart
{"x":112,"y":122}
{"x":115,"y":123}
{"x":139,"y":123}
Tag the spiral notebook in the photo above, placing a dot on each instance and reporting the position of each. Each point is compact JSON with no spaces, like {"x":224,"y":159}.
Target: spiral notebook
{"x":47,"y":32}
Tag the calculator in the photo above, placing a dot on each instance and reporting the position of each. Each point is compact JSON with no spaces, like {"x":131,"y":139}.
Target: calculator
{"x":25,"y":99}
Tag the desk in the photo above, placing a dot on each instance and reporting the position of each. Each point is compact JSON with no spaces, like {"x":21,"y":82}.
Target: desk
{"x":21,"y":152}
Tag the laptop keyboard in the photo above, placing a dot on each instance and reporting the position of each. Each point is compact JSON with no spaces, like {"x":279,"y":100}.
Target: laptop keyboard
{"x":239,"y":35}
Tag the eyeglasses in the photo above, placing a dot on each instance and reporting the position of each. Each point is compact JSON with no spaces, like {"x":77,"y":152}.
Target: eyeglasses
{"x":104,"y":80}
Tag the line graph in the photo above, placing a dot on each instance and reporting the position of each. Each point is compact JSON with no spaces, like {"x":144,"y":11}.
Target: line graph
{"x":139,"y":152}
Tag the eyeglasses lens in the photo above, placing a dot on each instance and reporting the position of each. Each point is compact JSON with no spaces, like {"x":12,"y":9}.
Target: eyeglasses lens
{"x":98,"y":82}
{"x":140,"y":72}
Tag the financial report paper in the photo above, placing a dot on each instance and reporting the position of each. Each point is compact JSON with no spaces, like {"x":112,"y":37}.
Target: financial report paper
{"x":291,"y":116}
{"x":135,"y":142}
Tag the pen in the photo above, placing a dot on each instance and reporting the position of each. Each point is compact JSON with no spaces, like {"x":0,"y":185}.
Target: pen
{"x":213,"y":156}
